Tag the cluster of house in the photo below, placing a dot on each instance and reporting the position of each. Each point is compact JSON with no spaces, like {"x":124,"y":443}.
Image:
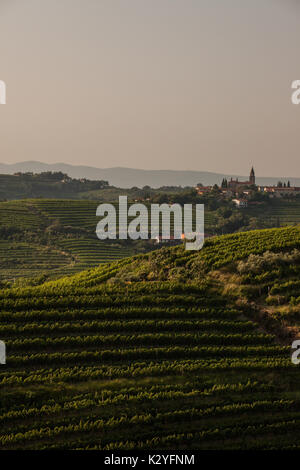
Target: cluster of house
{"x":239,"y":191}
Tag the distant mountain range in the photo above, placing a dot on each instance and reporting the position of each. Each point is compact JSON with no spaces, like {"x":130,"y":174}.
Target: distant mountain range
{"x":129,"y":177}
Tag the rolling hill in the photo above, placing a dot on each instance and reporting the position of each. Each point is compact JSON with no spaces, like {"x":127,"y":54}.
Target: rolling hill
{"x":55,"y":237}
{"x":188,"y":350}
{"x":129,"y":177}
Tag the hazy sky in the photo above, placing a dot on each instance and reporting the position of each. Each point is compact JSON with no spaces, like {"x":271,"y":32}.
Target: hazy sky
{"x":155,"y":84}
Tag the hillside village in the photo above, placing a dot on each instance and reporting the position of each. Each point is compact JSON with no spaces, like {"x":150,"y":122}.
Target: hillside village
{"x":242,"y":192}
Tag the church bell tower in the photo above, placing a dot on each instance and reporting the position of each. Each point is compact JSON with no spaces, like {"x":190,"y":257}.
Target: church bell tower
{"x":252,"y":176}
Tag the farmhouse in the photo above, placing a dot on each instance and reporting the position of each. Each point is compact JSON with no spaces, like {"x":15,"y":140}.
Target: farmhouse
{"x":241,"y":203}
{"x":202,"y":190}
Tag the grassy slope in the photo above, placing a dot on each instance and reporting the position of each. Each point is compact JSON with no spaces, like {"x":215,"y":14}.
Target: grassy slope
{"x":161,"y":344}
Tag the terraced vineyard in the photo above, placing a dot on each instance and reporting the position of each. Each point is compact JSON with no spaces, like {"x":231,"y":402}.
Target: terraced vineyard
{"x":83,"y":213}
{"x":72,"y":248}
{"x":18,"y":259}
{"x":70,"y":213}
{"x":92,"y":252}
{"x":157,"y":343}
{"x":279,"y":211}
{"x":21,"y":214}
{"x":27,"y":250}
